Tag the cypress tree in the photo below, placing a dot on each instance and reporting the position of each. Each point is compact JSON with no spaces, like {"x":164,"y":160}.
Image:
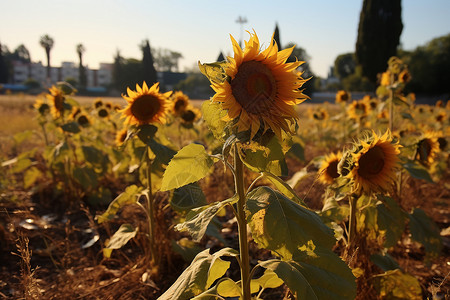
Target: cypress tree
{"x":148,"y":69}
{"x":276,"y":37}
{"x":3,"y":67}
{"x":380,"y":27}
{"x":220,"y":57}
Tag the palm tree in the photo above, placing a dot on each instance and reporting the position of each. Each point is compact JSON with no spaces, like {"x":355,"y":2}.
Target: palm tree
{"x":47,"y":43}
{"x":81,"y":70}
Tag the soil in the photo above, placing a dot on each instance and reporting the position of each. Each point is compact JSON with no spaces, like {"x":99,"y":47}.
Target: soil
{"x":50,"y":249}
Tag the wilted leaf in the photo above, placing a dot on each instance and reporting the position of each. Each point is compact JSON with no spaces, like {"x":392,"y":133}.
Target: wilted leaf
{"x":125,"y":233}
{"x":395,"y":284}
{"x":187,"y":197}
{"x":129,"y":196}
{"x":204,"y":269}
{"x":215,"y":72}
{"x":190,"y":164}
{"x":213,"y":114}
{"x":197,"y":220}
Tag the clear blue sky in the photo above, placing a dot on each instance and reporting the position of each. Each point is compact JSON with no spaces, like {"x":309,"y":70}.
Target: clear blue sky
{"x":200,"y":29}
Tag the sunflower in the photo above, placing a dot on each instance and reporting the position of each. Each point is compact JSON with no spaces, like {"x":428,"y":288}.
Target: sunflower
{"x":320,"y":115}
{"x":404,"y":76}
{"x":262,"y":88}
{"x":358,"y":109}
{"x":121,"y":136}
{"x":103,"y":113}
{"x":441,"y":117}
{"x":98,"y":103}
{"x":42,"y":107}
{"x":56,"y":98}
{"x":190,"y":115}
{"x":75,"y":112}
{"x":342,"y":97}
{"x":329,"y":168}
{"x":180,"y":103}
{"x":83,"y":120}
{"x":428,"y":147}
{"x":145,"y":105}
{"x":373,"y":163}
{"x":385,"y":78}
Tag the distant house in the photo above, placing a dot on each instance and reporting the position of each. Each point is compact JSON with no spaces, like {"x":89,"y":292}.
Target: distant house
{"x":96,"y":78}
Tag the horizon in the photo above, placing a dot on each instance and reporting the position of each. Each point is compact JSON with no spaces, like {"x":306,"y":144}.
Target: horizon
{"x":335,"y":33}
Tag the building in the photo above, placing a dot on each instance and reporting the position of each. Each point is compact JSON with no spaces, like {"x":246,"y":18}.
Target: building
{"x":68,"y":70}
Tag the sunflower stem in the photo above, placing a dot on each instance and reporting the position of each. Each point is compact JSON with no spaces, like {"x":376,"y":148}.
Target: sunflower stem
{"x":154,"y":257}
{"x":352,"y":221}
{"x":391,"y":110}
{"x":242,"y":225}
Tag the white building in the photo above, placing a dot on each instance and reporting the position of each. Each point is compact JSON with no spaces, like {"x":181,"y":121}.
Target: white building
{"x":95,"y":77}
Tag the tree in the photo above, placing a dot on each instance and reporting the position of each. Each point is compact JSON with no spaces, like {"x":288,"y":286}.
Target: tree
{"x":344,"y":65}
{"x":82,"y":78}
{"x":47,"y":43}
{"x":3,"y":66}
{"x":166,"y":60}
{"x":220,"y":57}
{"x":276,"y":36}
{"x":380,"y":27}
{"x":429,"y":66}
{"x":22,"y":54}
{"x":148,"y":69}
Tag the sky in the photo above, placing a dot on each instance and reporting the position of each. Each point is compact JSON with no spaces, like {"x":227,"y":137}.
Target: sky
{"x":200,"y":29}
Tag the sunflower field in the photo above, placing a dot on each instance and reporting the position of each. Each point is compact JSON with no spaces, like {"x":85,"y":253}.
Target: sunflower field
{"x":256,"y":193}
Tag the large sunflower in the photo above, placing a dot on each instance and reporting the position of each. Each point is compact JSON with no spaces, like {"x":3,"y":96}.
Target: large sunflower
{"x":56,"y":98}
{"x":262,"y":88}
{"x":145,"y":105}
{"x":374,"y":162}
{"x":329,"y":168}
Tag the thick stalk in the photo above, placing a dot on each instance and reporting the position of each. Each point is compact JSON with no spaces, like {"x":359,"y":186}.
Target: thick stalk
{"x":151,"y":212}
{"x":242,"y":225}
{"x":352,"y":221}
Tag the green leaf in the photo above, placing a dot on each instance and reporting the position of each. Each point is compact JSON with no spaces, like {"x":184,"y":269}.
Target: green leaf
{"x":282,"y":226}
{"x":391,"y":219}
{"x":384,"y":262}
{"x":284,"y":188}
{"x":71,"y":127}
{"x":86,"y":177}
{"x":229,"y":288}
{"x":213,"y":114}
{"x":333,"y":212}
{"x":215,"y":72}
{"x":22,"y":136}
{"x":196,"y":278}
{"x":190,"y":164}
{"x":30,"y":177}
{"x":395,"y":284}
{"x":125,"y":233}
{"x":163,"y":154}
{"x":426,"y":232}
{"x":269,"y":280}
{"x":129,"y":196}
{"x":325,"y":277}
{"x":95,"y":157}
{"x":407,"y":116}
{"x":146,"y":132}
{"x":271,"y":159}
{"x":197,"y":220}
{"x":186,"y":248}
{"x":417,"y":171}
{"x":187,"y":197}
{"x":297,"y":149}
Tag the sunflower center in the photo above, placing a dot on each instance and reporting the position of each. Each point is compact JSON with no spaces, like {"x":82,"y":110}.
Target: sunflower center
{"x":371,"y":163}
{"x":254,"y":87}
{"x":332,"y":169}
{"x":188,"y":116}
{"x":145,"y":107}
{"x":424,"y":150}
{"x":179,"y":105}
